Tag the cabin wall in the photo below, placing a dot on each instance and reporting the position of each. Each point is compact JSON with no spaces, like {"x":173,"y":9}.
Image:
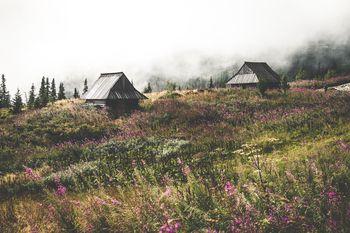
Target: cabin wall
{"x":243,"y":85}
{"x":253,"y":85}
{"x":97,"y":102}
{"x":120,"y":107}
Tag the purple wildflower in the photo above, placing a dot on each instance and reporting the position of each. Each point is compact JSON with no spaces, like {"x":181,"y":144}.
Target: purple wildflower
{"x":100,"y":201}
{"x":285,"y":219}
{"x":332,"y":224}
{"x":333,"y":197}
{"x":344,"y":146}
{"x":31,"y":174}
{"x":61,"y":190}
{"x":167,"y":192}
{"x":229,"y":189}
{"x":170,"y":227}
{"x":115,"y":202}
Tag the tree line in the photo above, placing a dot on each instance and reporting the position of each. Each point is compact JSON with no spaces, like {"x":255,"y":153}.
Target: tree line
{"x":47,"y":94}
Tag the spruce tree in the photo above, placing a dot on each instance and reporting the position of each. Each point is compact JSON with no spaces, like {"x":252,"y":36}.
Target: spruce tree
{"x":86,"y":88}
{"x":148,"y":89}
{"x":47,"y":89}
{"x":31,"y":100}
{"x":17,"y":103}
{"x":42,"y":97}
{"x":53,"y":93}
{"x":211,"y":84}
{"x":5,"y":101}
{"x":61,"y":94}
{"x":284,"y":84}
{"x":76,"y":94}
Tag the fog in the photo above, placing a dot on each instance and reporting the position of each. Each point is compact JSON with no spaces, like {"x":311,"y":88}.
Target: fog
{"x":73,"y":40}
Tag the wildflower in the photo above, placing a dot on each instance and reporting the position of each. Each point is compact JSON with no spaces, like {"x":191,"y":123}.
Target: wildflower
{"x":179,"y":161}
{"x":332,"y":224}
{"x":333,"y":197}
{"x":285,"y":219}
{"x":51,"y":211}
{"x":186,"y":170}
{"x":115,"y":202}
{"x":90,"y":228}
{"x":57,"y":180}
{"x":169,"y":227}
{"x":74,"y":202}
{"x":61,"y":190}
{"x":133,"y":163}
{"x":344,"y":146}
{"x":31,"y":174}
{"x":100,"y":201}
{"x":167,"y":192}
{"x":229,"y":189}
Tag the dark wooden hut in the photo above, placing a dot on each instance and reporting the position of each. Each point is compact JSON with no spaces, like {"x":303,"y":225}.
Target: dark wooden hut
{"x":251,"y":73}
{"x":115,"y":91}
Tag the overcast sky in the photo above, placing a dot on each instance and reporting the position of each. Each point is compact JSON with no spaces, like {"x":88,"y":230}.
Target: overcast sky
{"x":73,"y":39}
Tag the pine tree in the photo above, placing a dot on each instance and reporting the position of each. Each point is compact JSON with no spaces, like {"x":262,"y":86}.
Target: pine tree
{"x":42,"y":97}
{"x":31,"y":100}
{"x":5,"y":101}
{"x":76,"y":94}
{"x":301,"y":75}
{"x":86,"y":88}
{"x":330,"y":74}
{"x":47,"y":89}
{"x":61,"y":95}
{"x":17,"y":103}
{"x":211,"y":84}
{"x":147,"y":89}
{"x":53,"y":93}
{"x":284,"y":84}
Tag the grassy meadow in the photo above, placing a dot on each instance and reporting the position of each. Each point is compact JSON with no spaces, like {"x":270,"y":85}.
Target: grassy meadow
{"x":225,"y":160}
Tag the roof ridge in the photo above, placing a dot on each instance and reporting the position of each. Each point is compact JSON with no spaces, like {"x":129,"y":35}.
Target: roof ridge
{"x":120,"y":72}
{"x":256,"y":62}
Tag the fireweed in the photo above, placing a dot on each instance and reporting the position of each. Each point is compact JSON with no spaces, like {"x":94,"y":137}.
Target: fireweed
{"x":171,"y":165}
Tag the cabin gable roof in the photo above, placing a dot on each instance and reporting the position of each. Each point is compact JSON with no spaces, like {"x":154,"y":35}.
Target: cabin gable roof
{"x":254,"y":72}
{"x":113,"y":86}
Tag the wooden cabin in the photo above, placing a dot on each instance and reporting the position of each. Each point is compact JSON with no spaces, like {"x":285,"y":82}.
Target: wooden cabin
{"x":115,"y":91}
{"x":251,"y":73}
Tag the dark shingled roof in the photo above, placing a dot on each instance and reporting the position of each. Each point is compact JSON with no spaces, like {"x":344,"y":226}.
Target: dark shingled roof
{"x":253,"y":72}
{"x":113,"y":86}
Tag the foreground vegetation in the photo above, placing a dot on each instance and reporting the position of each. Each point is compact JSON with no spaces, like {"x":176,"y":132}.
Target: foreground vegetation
{"x":213,"y":161}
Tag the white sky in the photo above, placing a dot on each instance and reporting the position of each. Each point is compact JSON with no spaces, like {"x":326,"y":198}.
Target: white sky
{"x":81,"y":38}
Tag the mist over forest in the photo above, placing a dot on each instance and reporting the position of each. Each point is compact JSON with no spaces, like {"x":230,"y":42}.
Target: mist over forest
{"x":311,"y":61}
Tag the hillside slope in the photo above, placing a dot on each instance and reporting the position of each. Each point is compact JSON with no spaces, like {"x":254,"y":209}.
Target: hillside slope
{"x":221,"y":160}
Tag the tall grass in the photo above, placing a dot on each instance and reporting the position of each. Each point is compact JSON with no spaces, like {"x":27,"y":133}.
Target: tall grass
{"x":219,"y":161}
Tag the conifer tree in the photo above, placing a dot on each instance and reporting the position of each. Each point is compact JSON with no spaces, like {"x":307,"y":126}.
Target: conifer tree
{"x":148,"y":89}
{"x":211,"y":84}
{"x":47,"y":89}
{"x":5,"y":101}
{"x":53,"y":93}
{"x":76,"y":94}
{"x":284,"y":84}
{"x":86,"y":88}
{"x":17,"y":103}
{"x":42,"y":97}
{"x":31,"y":100}
{"x":61,"y":94}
